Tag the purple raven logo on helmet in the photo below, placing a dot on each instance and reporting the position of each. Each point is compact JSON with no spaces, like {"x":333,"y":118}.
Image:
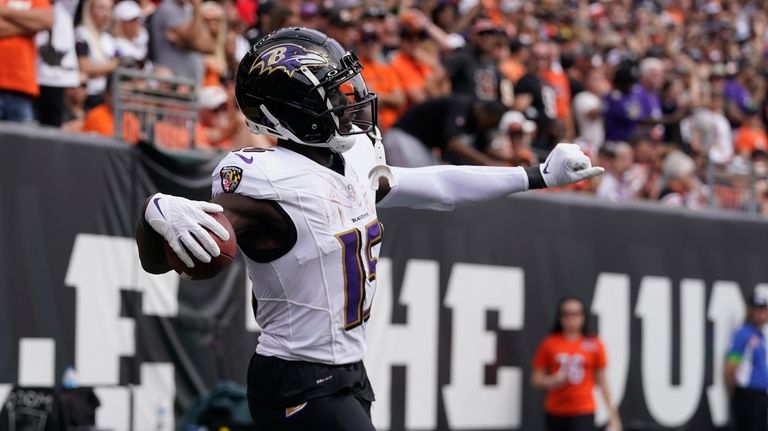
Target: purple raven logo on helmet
{"x":287,"y":57}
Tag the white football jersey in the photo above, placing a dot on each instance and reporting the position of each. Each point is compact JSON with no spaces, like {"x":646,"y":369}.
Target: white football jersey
{"x":313,"y":302}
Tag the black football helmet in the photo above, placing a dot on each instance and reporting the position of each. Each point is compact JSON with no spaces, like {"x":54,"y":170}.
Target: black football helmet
{"x":300,"y":85}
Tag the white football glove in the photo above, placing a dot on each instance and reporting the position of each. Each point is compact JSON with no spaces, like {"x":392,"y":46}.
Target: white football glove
{"x":181,"y":221}
{"x":566,"y":164}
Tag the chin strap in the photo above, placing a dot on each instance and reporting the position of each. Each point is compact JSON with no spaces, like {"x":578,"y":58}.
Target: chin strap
{"x":381,"y":170}
{"x":282,"y":132}
{"x":337,"y":143}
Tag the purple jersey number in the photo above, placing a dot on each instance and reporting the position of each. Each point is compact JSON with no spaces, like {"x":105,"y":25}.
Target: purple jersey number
{"x":354,"y":271}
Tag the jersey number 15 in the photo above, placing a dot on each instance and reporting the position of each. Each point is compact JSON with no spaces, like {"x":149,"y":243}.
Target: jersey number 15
{"x":354,"y":271}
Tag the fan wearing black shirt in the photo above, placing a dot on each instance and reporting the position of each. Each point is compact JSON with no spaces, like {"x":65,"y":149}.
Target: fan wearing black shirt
{"x":472,"y":69}
{"x":453,"y":128}
{"x":534,"y":99}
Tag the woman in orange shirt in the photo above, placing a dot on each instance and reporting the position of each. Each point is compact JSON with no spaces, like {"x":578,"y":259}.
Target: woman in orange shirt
{"x":568,"y":363}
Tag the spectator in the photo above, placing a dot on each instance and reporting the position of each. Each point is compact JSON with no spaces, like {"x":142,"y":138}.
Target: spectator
{"x":473,"y":70}
{"x":750,"y":137}
{"x":735,"y":92}
{"x":681,"y":187}
{"x":179,"y":38}
{"x":131,"y":38}
{"x":74,"y":107}
{"x":96,"y":52}
{"x":217,"y":65}
{"x":447,"y":128}
{"x":310,"y":15}
{"x":674,"y":107}
{"x":101,"y":120}
{"x":647,"y":90}
{"x":246,"y":11}
{"x":222,"y":126}
{"x":707,"y":131}
{"x":418,"y":67}
{"x":622,"y":180}
{"x":514,"y":144}
{"x":380,"y":78}
{"x":446,"y":16}
{"x":569,"y":362}
{"x":579,"y":61}
{"x":342,"y":28}
{"x":373,"y":20}
{"x":271,"y":16}
{"x":536,"y":100}
{"x":444,"y":41}
{"x":746,"y":373}
{"x":588,"y":112}
{"x":623,"y":109}
{"x":554,"y":77}
{"x":19,"y":21}
{"x":648,"y":158}
{"x":513,"y":66}
{"x":57,"y":68}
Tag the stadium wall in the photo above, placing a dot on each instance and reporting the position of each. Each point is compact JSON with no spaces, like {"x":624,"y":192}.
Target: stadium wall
{"x":464,"y":297}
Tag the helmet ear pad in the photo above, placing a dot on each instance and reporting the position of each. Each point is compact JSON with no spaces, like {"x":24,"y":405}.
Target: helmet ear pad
{"x":313,"y":129}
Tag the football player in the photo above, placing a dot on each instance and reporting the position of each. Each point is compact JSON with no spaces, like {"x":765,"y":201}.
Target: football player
{"x":304,"y":214}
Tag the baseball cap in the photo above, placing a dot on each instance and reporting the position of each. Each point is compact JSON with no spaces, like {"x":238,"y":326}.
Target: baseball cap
{"x":212,"y":96}
{"x":757,"y":300}
{"x":368,"y":34}
{"x":514,"y":121}
{"x":127,"y":10}
{"x":342,"y":18}
{"x":484,"y":25}
{"x":309,"y":9}
{"x":410,"y":27}
{"x":375,"y":12}
{"x":718,"y":71}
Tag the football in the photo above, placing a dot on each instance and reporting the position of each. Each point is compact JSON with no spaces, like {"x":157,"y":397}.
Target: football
{"x":202,"y":270}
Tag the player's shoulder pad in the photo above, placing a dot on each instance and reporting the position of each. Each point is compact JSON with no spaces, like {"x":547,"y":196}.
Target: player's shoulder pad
{"x":246,"y":172}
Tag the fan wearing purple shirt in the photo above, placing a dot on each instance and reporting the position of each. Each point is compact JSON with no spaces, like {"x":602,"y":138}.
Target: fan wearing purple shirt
{"x":623,"y":110}
{"x":649,"y":87}
{"x":737,"y":97}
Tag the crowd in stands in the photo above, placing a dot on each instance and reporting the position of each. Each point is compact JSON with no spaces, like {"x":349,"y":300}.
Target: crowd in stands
{"x":668,"y":95}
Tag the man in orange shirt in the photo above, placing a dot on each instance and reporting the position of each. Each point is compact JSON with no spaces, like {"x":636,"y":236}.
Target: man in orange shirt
{"x":101,"y":120}
{"x":555,"y":77}
{"x":751,"y":136}
{"x":19,"y":21}
{"x":418,"y":66}
{"x":380,"y":79}
{"x":567,"y":364}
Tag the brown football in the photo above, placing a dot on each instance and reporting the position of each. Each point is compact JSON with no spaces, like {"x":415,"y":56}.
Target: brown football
{"x":202,"y":270}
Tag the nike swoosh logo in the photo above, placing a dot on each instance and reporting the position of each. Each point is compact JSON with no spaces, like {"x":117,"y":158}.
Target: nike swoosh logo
{"x":546,"y":167}
{"x":157,"y":205}
{"x":290,"y":411}
{"x":248,"y":160}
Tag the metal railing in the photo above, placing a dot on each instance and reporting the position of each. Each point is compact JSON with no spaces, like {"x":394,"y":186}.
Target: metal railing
{"x":735,"y":187}
{"x":157,"y":109}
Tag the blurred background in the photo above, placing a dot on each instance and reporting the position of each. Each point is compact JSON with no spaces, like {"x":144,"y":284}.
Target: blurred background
{"x":103,"y":103}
